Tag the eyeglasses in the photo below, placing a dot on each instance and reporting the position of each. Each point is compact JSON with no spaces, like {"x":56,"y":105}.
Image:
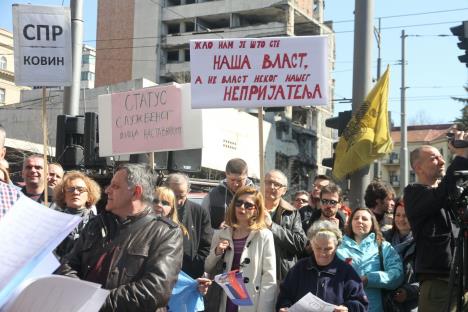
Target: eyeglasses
{"x":72,"y":189}
{"x":329,"y":202}
{"x":275,"y":185}
{"x":248,"y":206}
{"x":302,"y":200}
{"x":157,"y":201}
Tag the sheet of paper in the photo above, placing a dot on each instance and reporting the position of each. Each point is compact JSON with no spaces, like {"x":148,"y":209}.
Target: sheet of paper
{"x":311,"y":303}
{"x":57,"y":293}
{"x":28,"y":233}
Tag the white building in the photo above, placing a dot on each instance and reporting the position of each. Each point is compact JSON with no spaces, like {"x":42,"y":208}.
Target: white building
{"x":88,"y":67}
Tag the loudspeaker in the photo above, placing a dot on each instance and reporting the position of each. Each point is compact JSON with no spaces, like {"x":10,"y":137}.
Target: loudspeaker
{"x":91,"y":142}
{"x":161,"y":159}
{"x":69,"y":141}
{"x":186,"y":160}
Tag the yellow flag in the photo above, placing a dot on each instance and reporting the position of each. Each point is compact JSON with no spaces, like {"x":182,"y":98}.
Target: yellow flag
{"x":367,"y":135}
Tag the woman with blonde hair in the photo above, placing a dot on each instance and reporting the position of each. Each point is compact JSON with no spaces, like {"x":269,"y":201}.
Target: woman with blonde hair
{"x":76,"y":194}
{"x":165,"y":204}
{"x":246,"y":245}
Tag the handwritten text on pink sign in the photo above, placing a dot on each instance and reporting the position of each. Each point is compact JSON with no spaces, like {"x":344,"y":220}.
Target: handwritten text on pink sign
{"x":147,"y":120}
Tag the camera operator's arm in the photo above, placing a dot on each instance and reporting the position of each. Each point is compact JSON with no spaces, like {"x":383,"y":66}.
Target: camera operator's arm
{"x":425,"y":199}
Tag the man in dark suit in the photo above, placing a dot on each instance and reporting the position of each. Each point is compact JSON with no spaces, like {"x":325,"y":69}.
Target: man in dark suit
{"x":197,"y":221}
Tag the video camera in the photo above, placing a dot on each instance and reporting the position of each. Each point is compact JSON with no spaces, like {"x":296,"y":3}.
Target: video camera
{"x":456,"y":143}
{"x":459,"y":198}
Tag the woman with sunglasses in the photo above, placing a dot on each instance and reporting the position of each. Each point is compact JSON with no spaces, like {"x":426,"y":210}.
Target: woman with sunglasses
{"x":165,"y":204}
{"x":401,"y":238}
{"x":246,"y":245}
{"x":76,"y":194}
{"x":374,"y":259}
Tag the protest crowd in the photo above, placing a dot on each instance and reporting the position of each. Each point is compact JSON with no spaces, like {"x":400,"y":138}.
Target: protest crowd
{"x":243,"y":250}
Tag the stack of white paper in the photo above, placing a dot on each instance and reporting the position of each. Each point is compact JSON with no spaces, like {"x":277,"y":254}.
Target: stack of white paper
{"x":29,"y":232}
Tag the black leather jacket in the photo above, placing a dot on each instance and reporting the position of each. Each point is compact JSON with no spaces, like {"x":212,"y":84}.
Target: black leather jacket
{"x":145,"y":264}
{"x":289,"y":237}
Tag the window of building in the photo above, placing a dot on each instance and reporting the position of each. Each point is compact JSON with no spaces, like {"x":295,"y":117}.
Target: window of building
{"x":173,"y":56}
{"x":187,"y":55}
{"x":3,"y":62}
{"x":2,"y":96}
{"x":89,"y":59}
{"x":87,"y":76}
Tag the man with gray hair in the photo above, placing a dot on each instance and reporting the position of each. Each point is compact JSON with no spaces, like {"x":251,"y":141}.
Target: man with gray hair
{"x":284,"y":221}
{"x":128,"y":249}
{"x":197,"y":222}
{"x":2,"y":142}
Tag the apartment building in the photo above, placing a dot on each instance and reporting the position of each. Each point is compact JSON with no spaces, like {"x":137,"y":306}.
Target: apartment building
{"x":150,"y":39}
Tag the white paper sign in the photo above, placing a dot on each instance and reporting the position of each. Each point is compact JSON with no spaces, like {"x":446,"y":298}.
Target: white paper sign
{"x":42,"y":43}
{"x":311,"y":303}
{"x":28,"y":234}
{"x":243,"y":73}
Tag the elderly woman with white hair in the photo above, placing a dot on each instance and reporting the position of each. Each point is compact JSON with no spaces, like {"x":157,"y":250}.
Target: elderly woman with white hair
{"x":323,"y":274}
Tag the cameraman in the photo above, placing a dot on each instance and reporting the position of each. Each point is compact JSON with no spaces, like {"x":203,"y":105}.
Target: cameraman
{"x":432,"y":222}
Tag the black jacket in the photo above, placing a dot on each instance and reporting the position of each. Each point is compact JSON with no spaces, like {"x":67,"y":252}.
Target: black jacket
{"x":145,"y":264}
{"x":432,"y":223}
{"x":197,"y":245}
{"x":67,"y":244}
{"x":316,"y":214}
{"x":289,"y":237}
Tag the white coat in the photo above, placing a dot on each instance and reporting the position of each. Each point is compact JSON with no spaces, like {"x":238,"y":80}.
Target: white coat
{"x":259,"y":271}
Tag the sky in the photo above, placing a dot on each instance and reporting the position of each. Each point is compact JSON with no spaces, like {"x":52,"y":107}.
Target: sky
{"x":433,"y":71}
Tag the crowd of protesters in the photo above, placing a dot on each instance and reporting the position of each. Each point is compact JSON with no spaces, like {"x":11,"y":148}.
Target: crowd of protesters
{"x":392,"y":255}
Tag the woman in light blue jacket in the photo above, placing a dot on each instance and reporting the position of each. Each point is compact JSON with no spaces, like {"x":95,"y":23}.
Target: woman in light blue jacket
{"x":360,"y":248}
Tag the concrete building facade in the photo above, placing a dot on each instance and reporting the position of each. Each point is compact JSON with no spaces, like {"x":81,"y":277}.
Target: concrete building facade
{"x":9,"y":92}
{"x":150,"y":39}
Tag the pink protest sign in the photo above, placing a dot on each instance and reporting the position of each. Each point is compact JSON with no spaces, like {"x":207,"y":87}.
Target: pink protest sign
{"x":147,"y":120}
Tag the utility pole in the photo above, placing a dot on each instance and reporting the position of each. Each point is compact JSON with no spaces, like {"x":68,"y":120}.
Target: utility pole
{"x":71,"y":97}
{"x":378,"y":35}
{"x":403,"y":129}
{"x":362,"y":78}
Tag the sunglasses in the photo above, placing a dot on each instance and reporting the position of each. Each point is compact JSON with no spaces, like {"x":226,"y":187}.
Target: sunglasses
{"x":302,"y":200}
{"x":329,"y":202}
{"x":248,"y":206}
{"x":157,"y":201}
{"x":72,"y":189}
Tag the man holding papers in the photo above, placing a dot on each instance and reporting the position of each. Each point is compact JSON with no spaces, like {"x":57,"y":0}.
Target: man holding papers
{"x":128,"y":249}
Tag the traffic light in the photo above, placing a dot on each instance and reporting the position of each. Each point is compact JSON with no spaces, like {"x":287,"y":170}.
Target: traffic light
{"x":340,"y":122}
{"x":328,"y":162}
{"x":462,"y":32}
